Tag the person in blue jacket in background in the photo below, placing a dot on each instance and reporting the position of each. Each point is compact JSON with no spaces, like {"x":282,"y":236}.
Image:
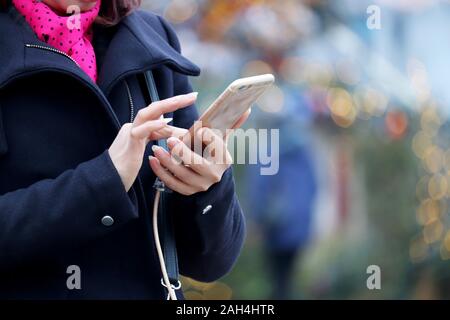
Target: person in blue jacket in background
{"x":283,"y":204}
{"x":75,"y":179}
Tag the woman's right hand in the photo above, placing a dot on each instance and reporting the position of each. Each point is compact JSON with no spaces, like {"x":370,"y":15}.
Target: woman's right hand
{"x":127,"y":150}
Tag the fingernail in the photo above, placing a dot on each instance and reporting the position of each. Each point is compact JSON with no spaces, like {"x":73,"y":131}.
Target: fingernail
{"x":173,"y":140}
{"x":167,"y":120}
{"x":194,"y":94}
{"x":155,"y":148}
{"x":150,"y":158}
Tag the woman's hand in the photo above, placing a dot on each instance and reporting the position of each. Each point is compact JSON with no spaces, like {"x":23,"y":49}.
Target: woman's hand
{"x":127,"y":150}
{"x":187,"y":172}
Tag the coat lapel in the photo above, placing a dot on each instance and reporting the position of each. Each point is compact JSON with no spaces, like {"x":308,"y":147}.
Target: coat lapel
{"x":137,"y":47}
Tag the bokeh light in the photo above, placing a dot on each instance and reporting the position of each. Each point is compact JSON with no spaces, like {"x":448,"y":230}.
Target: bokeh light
{"x":179,"y":11}
{"x":272,"y":100}
{"x":370,"y":107}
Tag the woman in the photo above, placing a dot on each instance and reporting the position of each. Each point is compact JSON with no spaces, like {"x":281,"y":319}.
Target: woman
{"x":75,"y":130}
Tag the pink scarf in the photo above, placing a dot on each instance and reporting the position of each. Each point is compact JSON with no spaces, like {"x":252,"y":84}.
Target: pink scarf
{"x":62,"y":32}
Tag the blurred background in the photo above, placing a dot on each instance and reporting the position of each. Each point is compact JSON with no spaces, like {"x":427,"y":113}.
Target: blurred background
{"x":362,"y":107}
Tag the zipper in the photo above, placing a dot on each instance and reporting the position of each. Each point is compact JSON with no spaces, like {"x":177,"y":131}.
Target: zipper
{"x":130,"y":100}
{"x":37,"y":46}
{"x":97,"y":91}
{"x":140,"y":186}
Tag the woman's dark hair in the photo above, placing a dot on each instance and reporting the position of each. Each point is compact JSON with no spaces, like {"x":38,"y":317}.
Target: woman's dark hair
{"x":111,"y":11}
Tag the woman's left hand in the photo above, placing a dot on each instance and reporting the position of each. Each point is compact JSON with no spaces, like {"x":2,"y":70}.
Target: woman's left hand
{"x":187,"y":172}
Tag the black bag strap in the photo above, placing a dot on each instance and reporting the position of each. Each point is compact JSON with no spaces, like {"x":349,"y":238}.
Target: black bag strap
{"x":165,"y":218}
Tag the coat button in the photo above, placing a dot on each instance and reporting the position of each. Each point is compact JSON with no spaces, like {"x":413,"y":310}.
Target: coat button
{"x":107,"y":221}
{"x":207,"y":208}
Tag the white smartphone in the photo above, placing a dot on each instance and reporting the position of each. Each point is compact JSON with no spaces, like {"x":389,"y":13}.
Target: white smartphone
{"x":237,"y":98}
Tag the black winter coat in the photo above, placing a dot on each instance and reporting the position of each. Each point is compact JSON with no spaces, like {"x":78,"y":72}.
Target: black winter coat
{"x":57,"y":181}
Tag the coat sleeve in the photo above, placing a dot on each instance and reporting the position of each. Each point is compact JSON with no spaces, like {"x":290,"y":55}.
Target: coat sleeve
{"x":64,"y":212}
{"x":208,"y":241}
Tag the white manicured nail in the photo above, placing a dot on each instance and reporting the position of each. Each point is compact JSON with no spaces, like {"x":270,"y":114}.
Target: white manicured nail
{"x":155,"y":148}
{"x":173,"y":140}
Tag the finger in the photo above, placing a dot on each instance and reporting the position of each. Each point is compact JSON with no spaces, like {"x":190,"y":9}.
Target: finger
{"x":183,"y":173}
{"x":242,"y":119}
{"x":216,"y":148}
{"x":158,"y":108}
{"x":169,"y":180}
{"x":167,"y":132}
{"x":238,"y":123}
{"x":196,"y":162}
{"x":145,"y":129}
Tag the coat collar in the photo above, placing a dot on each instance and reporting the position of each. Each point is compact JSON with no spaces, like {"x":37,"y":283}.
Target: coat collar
{"x":135,"y":47}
